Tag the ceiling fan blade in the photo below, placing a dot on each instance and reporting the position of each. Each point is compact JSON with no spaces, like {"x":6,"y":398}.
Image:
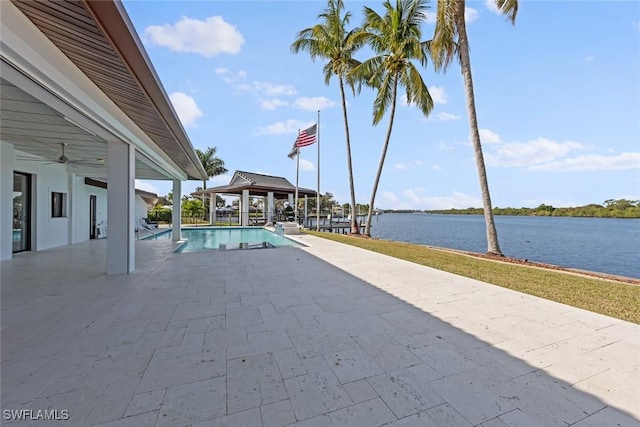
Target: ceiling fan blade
{"x":31,"y":159}
{"x":87,"y":164}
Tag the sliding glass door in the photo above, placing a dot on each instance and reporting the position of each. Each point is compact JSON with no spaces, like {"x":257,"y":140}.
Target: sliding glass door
{"x":21,"y":212}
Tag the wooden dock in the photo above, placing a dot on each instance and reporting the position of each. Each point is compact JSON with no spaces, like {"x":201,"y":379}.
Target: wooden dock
{"x":336,"y":227}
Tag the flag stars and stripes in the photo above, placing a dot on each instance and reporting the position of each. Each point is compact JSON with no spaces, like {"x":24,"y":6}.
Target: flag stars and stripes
{"x":307,"y":136}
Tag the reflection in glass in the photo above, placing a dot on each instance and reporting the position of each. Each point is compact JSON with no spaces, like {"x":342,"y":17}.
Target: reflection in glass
{"x":21,"y":210}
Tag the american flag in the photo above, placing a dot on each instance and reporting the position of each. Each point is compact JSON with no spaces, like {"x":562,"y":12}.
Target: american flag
{"x":307,"y":136}
{"x":293,"y":152}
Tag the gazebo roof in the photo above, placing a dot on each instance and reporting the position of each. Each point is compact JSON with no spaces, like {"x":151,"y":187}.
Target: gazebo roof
{"x":258,"y":185}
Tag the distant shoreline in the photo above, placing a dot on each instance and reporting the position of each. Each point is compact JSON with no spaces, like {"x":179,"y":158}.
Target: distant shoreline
{"x":612,"y":208}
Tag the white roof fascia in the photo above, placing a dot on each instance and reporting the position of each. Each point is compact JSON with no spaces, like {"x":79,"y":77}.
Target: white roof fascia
{"x":42,"y":61}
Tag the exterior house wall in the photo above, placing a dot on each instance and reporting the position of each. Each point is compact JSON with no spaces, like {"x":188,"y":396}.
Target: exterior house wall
{"x":141,"y":208}
{"x":49,"y":232}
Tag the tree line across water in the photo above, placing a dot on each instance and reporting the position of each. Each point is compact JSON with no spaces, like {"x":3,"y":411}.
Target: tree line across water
{"x":621,"y":208}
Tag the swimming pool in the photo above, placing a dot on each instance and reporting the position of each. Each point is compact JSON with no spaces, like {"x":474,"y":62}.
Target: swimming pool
{"x":227,"y":238}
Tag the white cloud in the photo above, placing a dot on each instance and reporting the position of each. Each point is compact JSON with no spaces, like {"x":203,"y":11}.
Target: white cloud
{"x":313,"y":103}
{"x":443,"y":146}
{"x":488,"y":136}
{"x":232,"y":78}
{"x":208,"y":38}
{"x":186,"y":108}
{"x":271,"y":89}
{"x":264,"y":88}
{"x":538,"y":151}
{"x":491,"y":5}
{"x":145,"y":186}
{"x":289,"y":127}
{"x":446,"y":117}
{"x":436,"y":167}
{"x":589,"y":58}
{"x":272,"y":104}
{"x":437,"y":94}
{"x":470,"y":15}
{"x":591,"y":162}
{"x":403,"y":166}
{"x":306,"y":165}
{"x":410,"y":199}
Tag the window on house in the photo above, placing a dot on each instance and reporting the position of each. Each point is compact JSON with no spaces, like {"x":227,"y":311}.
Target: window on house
{"x":58,"y":205}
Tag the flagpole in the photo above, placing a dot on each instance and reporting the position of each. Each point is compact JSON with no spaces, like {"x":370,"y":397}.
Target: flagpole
{"x":318,"y":191}
{"x":295,"y":209}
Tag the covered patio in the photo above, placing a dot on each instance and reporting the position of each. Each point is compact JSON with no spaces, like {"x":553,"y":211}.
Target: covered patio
{"x":80,"y":99}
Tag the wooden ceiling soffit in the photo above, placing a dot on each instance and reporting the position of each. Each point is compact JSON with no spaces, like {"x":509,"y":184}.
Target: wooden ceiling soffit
{"x":99,"y":39}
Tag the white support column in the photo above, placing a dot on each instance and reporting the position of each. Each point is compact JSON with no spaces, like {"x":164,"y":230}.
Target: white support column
{"x":264,"y":207}
{"x":73,"y":207}
{"x":291,"y":201}
{"x":306,"y":211}
{"x":244,"y":208}
{"x":121,"y":254}
{"x":6,"y":195}
{"x":212,"y":208}
{"x":271,"y":207}
{"x":176,"y":211}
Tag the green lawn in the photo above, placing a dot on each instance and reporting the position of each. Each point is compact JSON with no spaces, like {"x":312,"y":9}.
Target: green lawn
{"x":614,"y":299}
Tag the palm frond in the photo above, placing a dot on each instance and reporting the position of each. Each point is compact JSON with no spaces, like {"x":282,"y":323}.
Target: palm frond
{"x":383,"y":97}
{"x":508,"y":8}
{"x":443,"y":46}
{"x":330,"y":40}
{"x":416,"y":89}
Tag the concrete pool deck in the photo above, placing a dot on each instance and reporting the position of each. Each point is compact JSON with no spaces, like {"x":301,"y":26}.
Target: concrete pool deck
{"x":323,"y":335}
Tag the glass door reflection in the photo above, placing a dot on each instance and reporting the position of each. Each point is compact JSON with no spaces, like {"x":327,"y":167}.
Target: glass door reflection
{"x":21,"y":212}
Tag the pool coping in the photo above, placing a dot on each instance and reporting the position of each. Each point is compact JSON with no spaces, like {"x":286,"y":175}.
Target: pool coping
{"x":179,"y":245}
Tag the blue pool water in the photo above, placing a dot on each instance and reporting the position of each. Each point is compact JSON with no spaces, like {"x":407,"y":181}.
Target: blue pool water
{"x":227,"y":238}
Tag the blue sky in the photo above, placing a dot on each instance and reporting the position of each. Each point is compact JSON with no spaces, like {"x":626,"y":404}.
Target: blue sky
{"x":557,"y":95}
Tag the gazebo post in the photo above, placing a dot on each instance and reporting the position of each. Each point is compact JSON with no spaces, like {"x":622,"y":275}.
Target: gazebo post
{"x":212,"y":209}
{"x":244,"y":208}
{"x":271,"y":206}
{"x":306,"y":210}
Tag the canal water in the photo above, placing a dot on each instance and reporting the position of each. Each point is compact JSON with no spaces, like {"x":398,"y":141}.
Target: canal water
{"x":606,"y":245}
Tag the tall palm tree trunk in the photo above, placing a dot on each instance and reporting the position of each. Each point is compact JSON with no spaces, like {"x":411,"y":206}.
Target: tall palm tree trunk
{"x":354,"y":219}
{"x":367,"y":230}
{"x":465,"y":64}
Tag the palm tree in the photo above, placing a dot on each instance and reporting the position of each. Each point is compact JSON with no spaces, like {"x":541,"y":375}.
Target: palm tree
{"x":450,"y":40}
{"x":395,"y":40}
{"x":213,"y":165}
{"x":330,"y":40}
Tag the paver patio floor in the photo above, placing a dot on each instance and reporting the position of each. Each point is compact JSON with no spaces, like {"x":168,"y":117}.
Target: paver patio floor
{"x":326,"y":335}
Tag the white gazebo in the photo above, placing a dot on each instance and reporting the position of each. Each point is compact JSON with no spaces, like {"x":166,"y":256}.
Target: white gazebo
{"x":249,"y":184}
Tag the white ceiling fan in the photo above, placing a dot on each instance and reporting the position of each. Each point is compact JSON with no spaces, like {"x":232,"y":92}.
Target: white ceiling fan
{"x":64,"y":160}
